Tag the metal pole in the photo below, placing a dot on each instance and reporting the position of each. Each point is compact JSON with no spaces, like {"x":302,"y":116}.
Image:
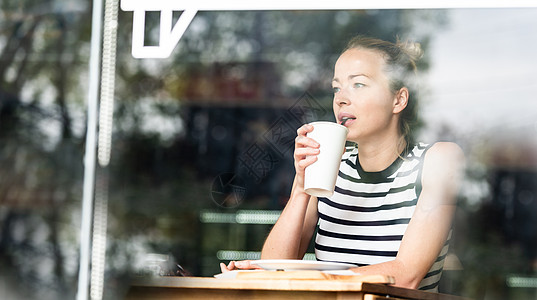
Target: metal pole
{"x":106,"y":115}
{"x":90,"y":154}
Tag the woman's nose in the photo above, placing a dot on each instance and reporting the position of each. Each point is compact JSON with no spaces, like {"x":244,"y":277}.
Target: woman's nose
{"x":341,"y":98}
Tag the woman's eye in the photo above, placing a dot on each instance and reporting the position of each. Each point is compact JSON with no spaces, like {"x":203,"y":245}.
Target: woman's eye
{"x":358,"y":85}
{"x":335,"y":89}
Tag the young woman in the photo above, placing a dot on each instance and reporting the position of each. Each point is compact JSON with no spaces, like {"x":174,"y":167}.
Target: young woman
{"x":394,"y":200}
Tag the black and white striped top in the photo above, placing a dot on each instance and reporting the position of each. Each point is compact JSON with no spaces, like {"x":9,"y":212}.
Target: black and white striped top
{"x":363,"y":222}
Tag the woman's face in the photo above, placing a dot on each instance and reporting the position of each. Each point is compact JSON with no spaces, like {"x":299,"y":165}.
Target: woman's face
{"x":362,"y":95}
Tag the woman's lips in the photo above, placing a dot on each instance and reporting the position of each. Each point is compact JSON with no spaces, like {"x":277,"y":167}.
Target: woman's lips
{"x":346,"y":120}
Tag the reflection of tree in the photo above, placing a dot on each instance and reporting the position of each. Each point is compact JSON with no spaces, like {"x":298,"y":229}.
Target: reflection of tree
{"x":303,"y":43}
{"x":40,"y":158}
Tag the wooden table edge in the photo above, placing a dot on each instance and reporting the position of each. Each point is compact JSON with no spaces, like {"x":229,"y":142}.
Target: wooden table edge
{"x":262,"y":284}
{"x":382,"y":289}
{"x":288,"y":285}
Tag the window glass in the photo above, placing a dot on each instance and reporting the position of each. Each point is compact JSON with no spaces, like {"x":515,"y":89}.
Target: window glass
{"x":201,"y":159}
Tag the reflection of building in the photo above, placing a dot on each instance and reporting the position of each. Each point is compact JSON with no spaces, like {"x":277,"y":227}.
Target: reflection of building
{"x":238,"y":122}
{"x":495,"y":234}
{"x":513,"y":178}
{"x":240,"y":131}
{"x":232,"y":83}
{"x":245,"y":140}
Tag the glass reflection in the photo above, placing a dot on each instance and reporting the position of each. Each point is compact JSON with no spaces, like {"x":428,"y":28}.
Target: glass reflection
{"x":201,"y":150}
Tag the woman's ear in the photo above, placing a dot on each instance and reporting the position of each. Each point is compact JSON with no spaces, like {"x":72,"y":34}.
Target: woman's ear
{"x":400,"y":100}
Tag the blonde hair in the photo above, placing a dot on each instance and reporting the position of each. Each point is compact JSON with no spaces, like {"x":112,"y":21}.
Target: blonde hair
{"x":401,"y":58}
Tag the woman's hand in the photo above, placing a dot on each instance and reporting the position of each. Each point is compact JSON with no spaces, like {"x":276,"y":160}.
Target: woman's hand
{"x":306,"y":151}
{"x":238,"y":265}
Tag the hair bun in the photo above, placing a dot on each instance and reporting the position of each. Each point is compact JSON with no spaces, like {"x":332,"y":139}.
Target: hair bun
{"x":412,"y":49}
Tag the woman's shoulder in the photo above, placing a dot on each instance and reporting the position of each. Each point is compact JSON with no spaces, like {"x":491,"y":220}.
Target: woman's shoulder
{"x":443,"y":172}
{"x":444,"y":158}
{"x":438,"y":155}
{"x":444,"y":150}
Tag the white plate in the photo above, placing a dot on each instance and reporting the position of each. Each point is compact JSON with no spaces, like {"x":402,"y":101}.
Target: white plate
{"x":294,"y":265}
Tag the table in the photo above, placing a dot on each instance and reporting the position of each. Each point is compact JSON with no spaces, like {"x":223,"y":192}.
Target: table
{"x":168,"y":288}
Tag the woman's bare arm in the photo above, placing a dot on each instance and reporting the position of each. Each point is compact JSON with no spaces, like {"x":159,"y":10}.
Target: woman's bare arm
{"x":290,"y":236}
{"x":430,"y":225}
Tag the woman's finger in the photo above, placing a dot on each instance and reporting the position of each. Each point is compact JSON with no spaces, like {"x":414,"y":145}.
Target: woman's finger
{"x":223,"y":268}
{"x":303,"y":152}
{"x":302,"y":164}
{"x":304,"y":129}
{"x":246,"y":265}
{"x":305,"y":141}
{"x":243,"y":264}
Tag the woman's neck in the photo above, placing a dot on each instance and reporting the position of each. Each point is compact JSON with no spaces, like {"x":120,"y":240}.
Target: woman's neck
{"x":379,"y":155}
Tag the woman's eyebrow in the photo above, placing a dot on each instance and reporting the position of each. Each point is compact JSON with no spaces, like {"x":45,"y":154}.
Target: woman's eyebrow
{"x":357,"y":75}
{"x":351,"y":77}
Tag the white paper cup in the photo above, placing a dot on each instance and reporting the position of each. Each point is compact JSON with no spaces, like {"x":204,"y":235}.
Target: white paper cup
{"x":320,"y":178}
